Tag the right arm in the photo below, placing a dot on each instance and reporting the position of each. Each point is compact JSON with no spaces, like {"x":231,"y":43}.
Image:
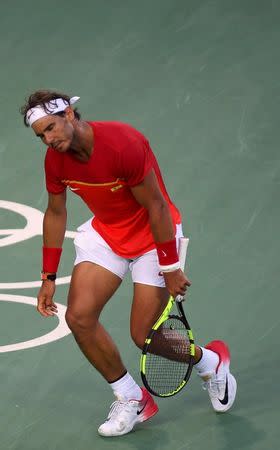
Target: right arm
{"x":54,"y":226}
{"x":54,"y":223}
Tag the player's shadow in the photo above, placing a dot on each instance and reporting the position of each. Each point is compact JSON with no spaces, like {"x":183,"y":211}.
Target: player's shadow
{"x":239,"y":433}
{"x":144,"y":437}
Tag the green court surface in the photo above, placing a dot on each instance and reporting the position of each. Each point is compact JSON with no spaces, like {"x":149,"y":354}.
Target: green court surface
{"x":202,"y":80}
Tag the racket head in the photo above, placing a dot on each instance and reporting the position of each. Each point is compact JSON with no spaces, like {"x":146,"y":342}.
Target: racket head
{"x":168,"y":356}
{"x":165,"y":368}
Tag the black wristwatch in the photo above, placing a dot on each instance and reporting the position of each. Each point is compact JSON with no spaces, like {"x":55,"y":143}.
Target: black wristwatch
{"x":48,"y":276}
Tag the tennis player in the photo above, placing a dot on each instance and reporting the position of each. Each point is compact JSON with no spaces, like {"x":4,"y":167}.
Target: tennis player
{"x":135,"y":228}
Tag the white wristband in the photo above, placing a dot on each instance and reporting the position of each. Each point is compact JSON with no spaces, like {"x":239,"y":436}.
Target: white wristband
{"x":170,"y":268}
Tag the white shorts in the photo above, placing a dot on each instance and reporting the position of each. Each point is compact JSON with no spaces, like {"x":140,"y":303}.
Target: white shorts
{"x":90,"y":246}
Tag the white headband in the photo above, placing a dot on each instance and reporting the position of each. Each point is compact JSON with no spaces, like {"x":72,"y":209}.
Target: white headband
{"x":53,"y":107}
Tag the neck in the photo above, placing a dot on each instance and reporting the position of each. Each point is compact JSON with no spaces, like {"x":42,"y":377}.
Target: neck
{"x":82,"y":144}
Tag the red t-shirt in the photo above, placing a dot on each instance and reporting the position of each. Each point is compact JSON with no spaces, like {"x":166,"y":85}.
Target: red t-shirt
{"x":121,"y":158}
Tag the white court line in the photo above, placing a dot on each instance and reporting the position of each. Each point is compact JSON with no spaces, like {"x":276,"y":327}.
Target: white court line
{"x":32,"y":284}
{"x":60,"y":331}
{"x":32,"y":228}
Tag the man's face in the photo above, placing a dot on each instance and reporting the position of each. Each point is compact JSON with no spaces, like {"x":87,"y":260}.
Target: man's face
{"x":56,"y":131}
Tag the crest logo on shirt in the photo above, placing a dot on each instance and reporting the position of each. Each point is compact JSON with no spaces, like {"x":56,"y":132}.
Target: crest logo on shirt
{"x":116,"y":188}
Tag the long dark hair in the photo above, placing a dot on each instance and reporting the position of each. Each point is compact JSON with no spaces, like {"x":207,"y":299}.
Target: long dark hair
{"x":40,"y":98}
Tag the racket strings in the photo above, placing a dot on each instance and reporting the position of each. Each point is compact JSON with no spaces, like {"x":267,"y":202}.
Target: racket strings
{"x":168,"y":356}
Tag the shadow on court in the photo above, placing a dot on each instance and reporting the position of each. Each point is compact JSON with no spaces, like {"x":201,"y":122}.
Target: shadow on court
{"x":239,"y":433}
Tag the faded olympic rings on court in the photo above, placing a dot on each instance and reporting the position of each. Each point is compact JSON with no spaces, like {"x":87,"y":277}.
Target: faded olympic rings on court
{"x":60,"y":331}
{"x":33,"y":227}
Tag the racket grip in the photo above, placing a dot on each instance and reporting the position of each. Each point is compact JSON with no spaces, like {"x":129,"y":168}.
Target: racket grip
{"x":183,"y":246}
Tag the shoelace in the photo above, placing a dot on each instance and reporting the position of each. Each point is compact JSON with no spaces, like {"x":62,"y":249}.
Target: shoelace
{"x":118,"y":407}
{"x":214,"y":386}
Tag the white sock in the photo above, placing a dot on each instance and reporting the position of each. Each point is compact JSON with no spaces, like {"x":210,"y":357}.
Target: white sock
{"x":208,"y":363}
{"x":126,"y":389}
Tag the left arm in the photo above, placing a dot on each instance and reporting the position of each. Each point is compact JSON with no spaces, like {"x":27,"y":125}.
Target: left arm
{"x":149,"y":195}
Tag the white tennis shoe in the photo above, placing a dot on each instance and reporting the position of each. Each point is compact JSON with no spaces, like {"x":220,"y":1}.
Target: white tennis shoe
{"x":123,"y":415}
{"x":221,"y":384}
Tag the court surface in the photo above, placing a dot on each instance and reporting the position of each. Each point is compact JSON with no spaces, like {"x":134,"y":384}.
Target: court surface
{"x":201,"y":80}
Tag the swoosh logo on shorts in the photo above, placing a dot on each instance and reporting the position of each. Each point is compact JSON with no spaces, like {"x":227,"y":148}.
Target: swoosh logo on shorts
{"x":74,"y":189}
{"x":224,"y":401}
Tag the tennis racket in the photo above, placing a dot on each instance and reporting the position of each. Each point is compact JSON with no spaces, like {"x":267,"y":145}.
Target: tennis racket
{"x":168,"y":354}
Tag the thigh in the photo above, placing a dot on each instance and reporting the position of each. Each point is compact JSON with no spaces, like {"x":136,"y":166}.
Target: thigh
{"x":91,"y":247}
{"x":90,"y":289}
{"x":148,"y":304}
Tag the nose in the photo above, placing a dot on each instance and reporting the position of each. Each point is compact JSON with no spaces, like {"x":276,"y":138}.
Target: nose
{"x":48,"y":138}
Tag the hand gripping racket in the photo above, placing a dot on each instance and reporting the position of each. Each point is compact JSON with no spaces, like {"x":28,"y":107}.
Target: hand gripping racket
{"x":168,"y":354}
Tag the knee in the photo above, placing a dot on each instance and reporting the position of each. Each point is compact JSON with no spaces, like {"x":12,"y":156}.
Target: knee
{"x":138,"y":338}
{"x":79,"y":322}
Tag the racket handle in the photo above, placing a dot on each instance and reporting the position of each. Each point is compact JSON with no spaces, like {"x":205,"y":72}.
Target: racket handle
{"x":183,"y":246}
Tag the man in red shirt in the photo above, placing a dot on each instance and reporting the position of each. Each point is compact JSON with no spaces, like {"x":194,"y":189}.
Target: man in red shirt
{"x":135,"y":227}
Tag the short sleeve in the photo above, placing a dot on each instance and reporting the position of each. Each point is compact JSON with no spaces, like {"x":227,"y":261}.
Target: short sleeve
{"x":53,"y":164}
{"x":135,"y":161}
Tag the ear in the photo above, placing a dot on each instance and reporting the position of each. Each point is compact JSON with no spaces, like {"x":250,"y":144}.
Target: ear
{"x":69,"y":114}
